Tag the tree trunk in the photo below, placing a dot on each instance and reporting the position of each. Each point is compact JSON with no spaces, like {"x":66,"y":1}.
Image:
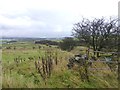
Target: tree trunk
{"x":94,"y":45}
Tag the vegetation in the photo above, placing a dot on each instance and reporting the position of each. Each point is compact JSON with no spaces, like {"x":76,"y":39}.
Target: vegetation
{"x":67,"y":44}
{"x":97,"y":33}
{"x":48,"y":42}
{"x":26,"y":67}
{"x":67,"y":63}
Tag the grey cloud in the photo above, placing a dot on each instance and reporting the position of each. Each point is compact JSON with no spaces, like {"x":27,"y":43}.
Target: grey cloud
{"x":50,"y":18}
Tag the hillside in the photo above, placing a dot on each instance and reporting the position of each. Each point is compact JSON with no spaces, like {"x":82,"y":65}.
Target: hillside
{"x":19,"y":70}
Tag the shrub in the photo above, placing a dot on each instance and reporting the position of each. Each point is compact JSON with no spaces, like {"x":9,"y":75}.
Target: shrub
{"x":67,"y":44}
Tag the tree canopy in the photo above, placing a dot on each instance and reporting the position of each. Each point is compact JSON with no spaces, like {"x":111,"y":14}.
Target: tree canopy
{"x":98,"y":33}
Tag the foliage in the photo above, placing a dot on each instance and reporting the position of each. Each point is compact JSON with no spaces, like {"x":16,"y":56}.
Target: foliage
{"x":47,"y":42}
{"x":67,"y":44}
{"x":98,"y":33}
{"x":19,"y":71}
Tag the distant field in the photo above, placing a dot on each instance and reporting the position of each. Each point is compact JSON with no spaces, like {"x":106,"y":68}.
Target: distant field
{"x":23,"y":74}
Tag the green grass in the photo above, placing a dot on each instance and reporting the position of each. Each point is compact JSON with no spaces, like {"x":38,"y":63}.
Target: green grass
{"x":24,"y":75}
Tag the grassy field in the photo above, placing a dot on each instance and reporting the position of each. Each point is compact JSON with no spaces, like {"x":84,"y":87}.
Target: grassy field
{"x":23,"y":74}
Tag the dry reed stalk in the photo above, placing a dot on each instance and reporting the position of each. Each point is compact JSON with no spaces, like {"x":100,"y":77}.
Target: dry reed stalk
{"x":46,"y":66}
{"x":49,"y":67}
{"x":36,"y":65}
{"x":56,"y":61}
{"x":43,"y":66}
{"x":40,"y":72}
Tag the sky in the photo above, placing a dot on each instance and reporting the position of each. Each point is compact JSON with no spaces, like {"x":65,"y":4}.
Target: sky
{"x":49,"y":18}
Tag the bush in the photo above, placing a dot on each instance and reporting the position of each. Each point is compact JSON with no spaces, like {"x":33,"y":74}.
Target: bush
{"x":67,"y":44}
{"x":46,"y":42}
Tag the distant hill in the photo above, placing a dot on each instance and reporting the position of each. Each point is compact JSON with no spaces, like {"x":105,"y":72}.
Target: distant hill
{"x":28,"y":38}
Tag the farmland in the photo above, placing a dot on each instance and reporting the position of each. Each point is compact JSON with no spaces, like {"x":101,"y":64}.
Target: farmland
{"x":23,"y":66}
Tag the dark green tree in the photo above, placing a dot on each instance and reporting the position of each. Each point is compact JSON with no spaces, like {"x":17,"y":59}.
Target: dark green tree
{"x":67,"y":44}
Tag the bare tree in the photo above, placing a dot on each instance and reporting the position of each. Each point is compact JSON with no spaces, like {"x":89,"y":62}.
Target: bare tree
{"x":98,"y":33}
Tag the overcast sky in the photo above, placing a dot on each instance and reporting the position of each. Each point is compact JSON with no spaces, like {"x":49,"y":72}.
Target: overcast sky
{"x":49,"y":18}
